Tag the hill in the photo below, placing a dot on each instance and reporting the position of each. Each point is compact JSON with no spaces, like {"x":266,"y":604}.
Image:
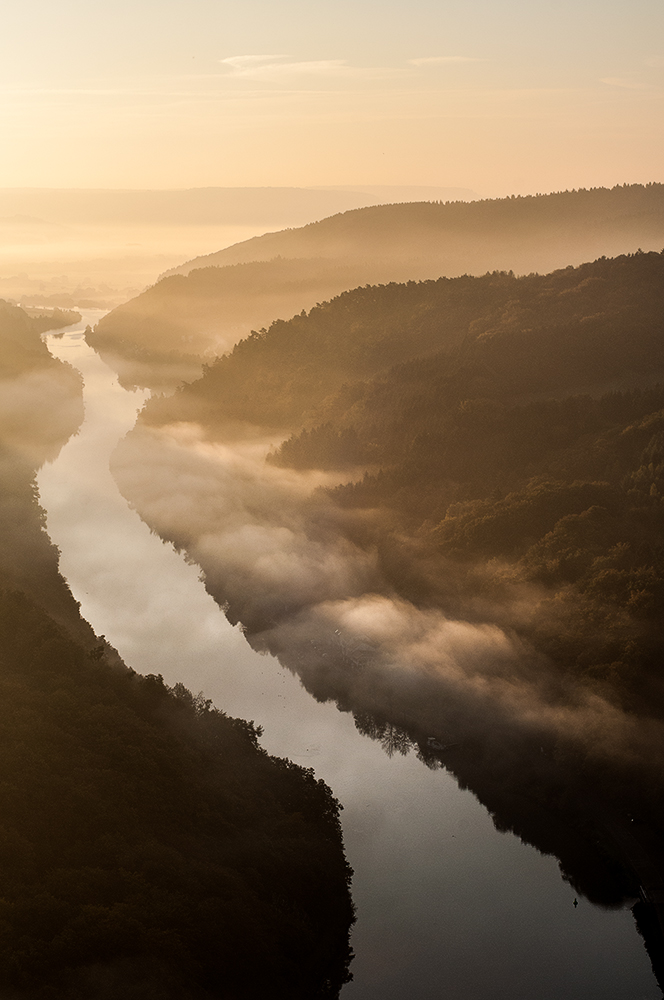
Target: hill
{"x":499,"y":439}
{"x":41,"y":406}
{"x":158,"y":338}
{"x":524,"y":233}
{"x":148,"y":845}
{"x":457,"y":536}
{"x":591,"y":328}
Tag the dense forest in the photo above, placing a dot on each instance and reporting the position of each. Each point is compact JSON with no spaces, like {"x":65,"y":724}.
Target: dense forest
{"x":148,"y":846}
{"x":204,"y":307}
{"x":457,"y":535}
{"x":517,"y":441}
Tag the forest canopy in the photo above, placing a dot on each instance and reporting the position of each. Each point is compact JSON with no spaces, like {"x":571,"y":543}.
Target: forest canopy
{"x":509,"y":427}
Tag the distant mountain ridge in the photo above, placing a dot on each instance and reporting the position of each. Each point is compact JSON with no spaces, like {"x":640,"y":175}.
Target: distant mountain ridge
{"x":161,"y":337}
{"x":634,"y":210}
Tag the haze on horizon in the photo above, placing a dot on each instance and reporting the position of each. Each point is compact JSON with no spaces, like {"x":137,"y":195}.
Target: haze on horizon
{"x":500,"y":97}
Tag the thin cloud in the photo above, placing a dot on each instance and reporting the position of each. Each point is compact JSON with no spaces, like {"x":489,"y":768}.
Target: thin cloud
{"x":270,"y":68}
{"x":246,"y":62}
{"x":441,"y":60}
{"x":626,"y":82}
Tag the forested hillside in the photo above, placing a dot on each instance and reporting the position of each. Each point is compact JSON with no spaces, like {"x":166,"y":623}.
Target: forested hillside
{"x":158,"y":338}
{"x":148,"y":845}
{"x":41,"y":406}
{"x":595,"y":327}
{"x":527,"y":451}
{"x":457,"y":535}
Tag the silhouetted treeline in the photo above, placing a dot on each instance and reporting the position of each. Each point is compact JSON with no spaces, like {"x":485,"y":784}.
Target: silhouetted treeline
{"x":204,"y":307}
{"x":501,"y":232}
{"x":41,"y":406}
{"x":52,"y":319}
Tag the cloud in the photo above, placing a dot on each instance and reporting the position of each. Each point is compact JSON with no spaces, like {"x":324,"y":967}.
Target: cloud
{"x":441,"y":60}
{"x":629,"y":83}
{"x":240,"y":63}
{"x":274,"y":68}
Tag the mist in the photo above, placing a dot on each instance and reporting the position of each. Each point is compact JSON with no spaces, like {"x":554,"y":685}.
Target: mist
{"x":95,"y":249}
{"x":390,"y":286}
{"x":278,"y":557}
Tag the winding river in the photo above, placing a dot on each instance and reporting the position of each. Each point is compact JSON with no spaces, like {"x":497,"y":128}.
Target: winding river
{"x":447,"y":906}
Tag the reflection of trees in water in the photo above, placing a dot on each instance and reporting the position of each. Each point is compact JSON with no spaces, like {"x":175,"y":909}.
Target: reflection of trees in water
{"x":391,"y":738}
{"x":600,"y":817}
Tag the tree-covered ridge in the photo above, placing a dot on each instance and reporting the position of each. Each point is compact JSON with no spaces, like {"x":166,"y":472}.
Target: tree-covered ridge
{"x":182,"y":313}
{"x":22,"y":347}
{"x":275,"y":376}
{"x":491,"y":336}
{"x":483,"y":453}
{"x":486,"y":586}
{"x":148,"y":846}
{"x":204,"y":309}
{"x":478,"y":464}
{"x":41,"y":406}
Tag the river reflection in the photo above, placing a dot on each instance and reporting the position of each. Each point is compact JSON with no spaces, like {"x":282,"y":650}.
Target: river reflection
{"x":447,"y":906}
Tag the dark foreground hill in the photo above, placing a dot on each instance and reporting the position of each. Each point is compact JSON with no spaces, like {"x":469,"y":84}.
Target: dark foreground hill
{"x":458,"y":535}
{"x":41,"y":406}
{"x":158,"y":338}
{"x":148,"y":846}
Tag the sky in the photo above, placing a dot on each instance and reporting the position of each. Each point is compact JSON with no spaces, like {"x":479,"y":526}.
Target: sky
{"x":509,"y":96}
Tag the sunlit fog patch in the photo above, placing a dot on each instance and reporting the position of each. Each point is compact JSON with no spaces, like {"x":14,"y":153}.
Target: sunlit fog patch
{"x":391,"y":633}
{"x":306,"y":592}
{"x":231,"y":478}
{"x":386,"y":657}
{"x":286,"y":564}
{"x":396,"y":622}
{"x":240,"y":518}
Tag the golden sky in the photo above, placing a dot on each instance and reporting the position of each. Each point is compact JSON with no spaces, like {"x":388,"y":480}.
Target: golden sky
{"x":501,"y":97}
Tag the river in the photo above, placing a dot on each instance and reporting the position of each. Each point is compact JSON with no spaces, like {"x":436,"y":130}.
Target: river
{"x":447,"y":906}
